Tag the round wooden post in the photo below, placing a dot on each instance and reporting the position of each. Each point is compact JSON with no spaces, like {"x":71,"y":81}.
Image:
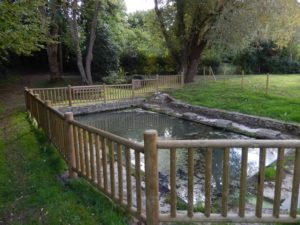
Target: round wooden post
{"x":182,"y":79}
{"x":242,"y":82}
{"x":37,"y":113}
{"x":70,"y":144}
{"x":26,"y":98}
{"x":267,"y":84}
{"x":132,"y":89}
{"x":157,"y":83}
{"x":48,"y":104}
{"x":151,"y":175}
{"x":70,"y":95}
{"x":204,"y":74}
{"x":30,"y":104}
{"x":104,"y":92}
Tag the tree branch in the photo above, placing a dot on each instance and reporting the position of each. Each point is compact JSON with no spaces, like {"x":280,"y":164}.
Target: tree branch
{"x":165,"y":33}
{"x":89,"y":57}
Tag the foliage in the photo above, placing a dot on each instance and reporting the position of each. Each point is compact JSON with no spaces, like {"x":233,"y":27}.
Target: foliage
{"x":22,"y":28}
{"x":189,"y":27}
{"x":267,"y":57}
{"x":106,"y":58}
{"x":115,"y":78}
{"x":143,"y":49}
{"x":270,"y":173}
{"x":281,"y":103}
{"x":244,"y":22}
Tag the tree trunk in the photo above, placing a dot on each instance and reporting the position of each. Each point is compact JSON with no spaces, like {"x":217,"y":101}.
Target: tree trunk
{"x":52,"y":52}
{"x":61,"y":63}
{"x":89,"y":57}
{"x":76,"y":39}
{"x":81,"y":67}
{"x":189,"y":70}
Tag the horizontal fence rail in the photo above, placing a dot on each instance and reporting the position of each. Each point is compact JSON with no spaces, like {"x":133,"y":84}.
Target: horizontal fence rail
{"x":128,"y":172}
{"x":223,"y":214}
{"x":76,"y":95}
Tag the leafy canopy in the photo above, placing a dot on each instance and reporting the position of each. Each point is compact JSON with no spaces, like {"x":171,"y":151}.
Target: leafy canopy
{"x":22,"y":27}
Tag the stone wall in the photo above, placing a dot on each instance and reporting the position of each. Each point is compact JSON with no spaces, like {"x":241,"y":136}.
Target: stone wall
{"x":102,"y":107}
{"x":248,"y":120}
{"x":259,"y":127}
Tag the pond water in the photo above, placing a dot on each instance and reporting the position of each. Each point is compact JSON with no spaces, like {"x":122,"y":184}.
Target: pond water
{"x":132,"y":123}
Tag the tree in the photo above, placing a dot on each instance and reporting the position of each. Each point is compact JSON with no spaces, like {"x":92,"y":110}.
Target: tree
{"x":189,"y":27}
{"x":143,"y":48}
{"x":22,"y":29}
{"x":54,"y":15}
{"x":73,"y":13}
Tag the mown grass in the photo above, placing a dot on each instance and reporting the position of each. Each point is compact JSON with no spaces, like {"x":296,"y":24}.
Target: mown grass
{"x":282,"y":101}
{"x":32,"y":193}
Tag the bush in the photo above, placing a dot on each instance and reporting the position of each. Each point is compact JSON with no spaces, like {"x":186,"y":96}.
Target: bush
{"x":267,"y":57}
{"x":106,"y":58}
{"x":115,"y":78}
{"x":140,"y":63}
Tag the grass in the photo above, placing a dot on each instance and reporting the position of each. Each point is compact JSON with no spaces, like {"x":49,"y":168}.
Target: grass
{"x":282,"y":101}
{"x":32,"y":193}
{"x":270,"y":173}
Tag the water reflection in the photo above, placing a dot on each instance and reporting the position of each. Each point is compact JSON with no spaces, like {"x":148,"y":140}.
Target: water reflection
{"x":132,"y":123}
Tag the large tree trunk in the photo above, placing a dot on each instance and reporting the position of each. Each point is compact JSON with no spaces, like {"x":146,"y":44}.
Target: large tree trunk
{"x":61,"y":63}
{"x":52,"y":52}
{"x":189,"y":70}
{"x":89,"y":57}
{"x":80,"y":66}
{"x":52,"y":45}
{"x":188,"y":45}
{"x":75,"y":36}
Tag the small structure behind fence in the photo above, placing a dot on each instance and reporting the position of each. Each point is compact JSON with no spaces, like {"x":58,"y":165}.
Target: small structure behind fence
{"x":113,"y":164}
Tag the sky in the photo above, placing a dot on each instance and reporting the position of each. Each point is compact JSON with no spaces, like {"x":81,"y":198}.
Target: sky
{"x":135,"y":5}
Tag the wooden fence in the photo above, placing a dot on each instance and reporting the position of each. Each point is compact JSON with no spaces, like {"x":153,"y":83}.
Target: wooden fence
{"x":73,"y":95}
{"x":114,"y":165}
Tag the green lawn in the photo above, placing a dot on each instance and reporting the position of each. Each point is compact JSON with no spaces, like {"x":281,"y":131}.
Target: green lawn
{"x":30,"y":189}
{"x":282,"y":101}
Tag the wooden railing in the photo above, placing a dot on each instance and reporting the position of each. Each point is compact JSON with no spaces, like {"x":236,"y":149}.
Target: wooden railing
{"x":114,"y":165}
{"x":208,"y":146}
{"x":73,"y":95}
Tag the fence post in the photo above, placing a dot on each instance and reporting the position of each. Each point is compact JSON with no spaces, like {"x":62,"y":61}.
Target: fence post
{"x":212,"y":73}
{"x":132,"y":89}
{"x":242,"y":82}
{"x":70,"y":144}
{"x":267,"y":84}
{"x":48,"y":104}
{"x":182,"y":80}
{"x":104,"y":92}
{"x":26,"y":98}
{"x":151,"y":177}
{"x":157,"y":83}
{"x":204,"y":74}
{"x":70,"y":95}
{"x":37,"y":96}
{"x":30,"y":104}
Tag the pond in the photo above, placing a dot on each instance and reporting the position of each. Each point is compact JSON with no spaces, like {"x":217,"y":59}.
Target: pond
{"x":132,"y":123}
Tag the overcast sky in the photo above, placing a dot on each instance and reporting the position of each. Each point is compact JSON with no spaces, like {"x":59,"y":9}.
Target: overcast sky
{"x":135,"y":5}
